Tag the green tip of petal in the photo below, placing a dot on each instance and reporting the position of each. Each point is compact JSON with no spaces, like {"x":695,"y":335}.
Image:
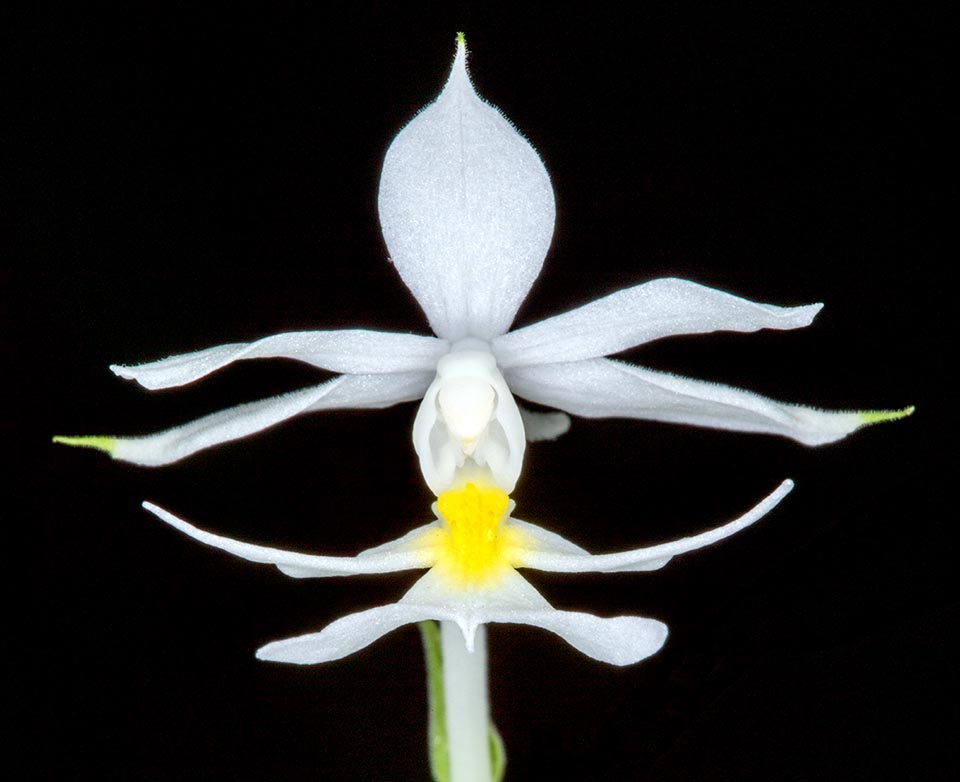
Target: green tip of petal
{"x":879,"y":416}
{"x":108,"y":444}
{"x":461,"y":39}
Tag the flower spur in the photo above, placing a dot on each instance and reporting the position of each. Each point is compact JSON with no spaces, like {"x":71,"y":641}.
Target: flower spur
{"x":467,"y":212}
{"x":472,"y":551}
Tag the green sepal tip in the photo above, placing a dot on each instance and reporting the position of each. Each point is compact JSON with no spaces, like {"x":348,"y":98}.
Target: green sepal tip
{"x":99,"y":442}
{"x":879,"y":416}
{"x":461,"y":39}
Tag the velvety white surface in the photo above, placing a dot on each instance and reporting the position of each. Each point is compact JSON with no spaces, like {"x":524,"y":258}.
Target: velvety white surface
{"x":400,"y":554}
{"x":649,"y":558}
{"x":467,"y":211}
{"x":643,"y":313}
{"x":355,"y":351}
{"x":345,"y":635}
{"x":618,"y":640}
{"x":603,"y":388}
{"x":347,"y":391}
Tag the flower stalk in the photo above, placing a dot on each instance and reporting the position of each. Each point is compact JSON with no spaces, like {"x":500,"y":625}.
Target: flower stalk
{"x":466,"y":704}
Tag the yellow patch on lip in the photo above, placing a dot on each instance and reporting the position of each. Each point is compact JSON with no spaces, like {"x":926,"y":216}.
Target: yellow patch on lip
{"x":475,"y":545}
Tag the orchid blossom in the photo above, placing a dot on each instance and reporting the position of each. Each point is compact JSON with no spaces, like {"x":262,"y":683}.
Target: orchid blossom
{"x":467,"y":212}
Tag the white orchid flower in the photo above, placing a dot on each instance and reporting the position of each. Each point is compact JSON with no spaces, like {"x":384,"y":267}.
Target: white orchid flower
{"x":467,"y":212}
{"x":473,"y":550}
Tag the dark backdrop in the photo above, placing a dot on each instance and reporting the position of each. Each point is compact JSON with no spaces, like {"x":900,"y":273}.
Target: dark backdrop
{"x":197,"y":176}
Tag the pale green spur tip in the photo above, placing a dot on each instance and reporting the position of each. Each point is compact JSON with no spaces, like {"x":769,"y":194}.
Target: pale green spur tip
{"x":101,"y":443}
{"x":879,"y":416}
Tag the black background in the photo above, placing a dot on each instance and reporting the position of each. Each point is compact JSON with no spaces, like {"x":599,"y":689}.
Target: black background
{"x":198,"y":176}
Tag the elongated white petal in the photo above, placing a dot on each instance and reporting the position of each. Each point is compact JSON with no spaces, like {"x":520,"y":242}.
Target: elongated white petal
{"x":543,"y":426}
{"x":171,"y":445}
{"x":512,"y":599}
{"x":353,"y":351}
{"x":467,"y":211}
{"x":619,"y":640}
{"x":431,"y":597}
{"x":643,"y":313}
{"x":552,"y":557}
{"x":603,"y":388}
{"x":401,"y":554}
{"x":344,"y":636}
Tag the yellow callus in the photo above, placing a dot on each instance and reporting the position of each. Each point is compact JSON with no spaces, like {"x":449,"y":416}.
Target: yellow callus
{"x":474,"y":544}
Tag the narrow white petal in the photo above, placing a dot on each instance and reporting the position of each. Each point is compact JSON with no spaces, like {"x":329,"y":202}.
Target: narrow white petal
{"x":620,"y":640}
{"x":344,"y":636}
{"x":512,"y":599}
{"x":643,"y":313}
{"x":431,"y":597}
{"x":602,"y":388}
{"x":353,"y":351}
{"x":467,"y":211}
{"x":347,"y":391}
{"x":400,"y":554}
{"x":543,"y":426}
{"x":552,"y":557}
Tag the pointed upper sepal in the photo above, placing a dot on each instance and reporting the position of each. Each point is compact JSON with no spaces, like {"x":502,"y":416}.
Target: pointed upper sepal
{"x":467,"y":211}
